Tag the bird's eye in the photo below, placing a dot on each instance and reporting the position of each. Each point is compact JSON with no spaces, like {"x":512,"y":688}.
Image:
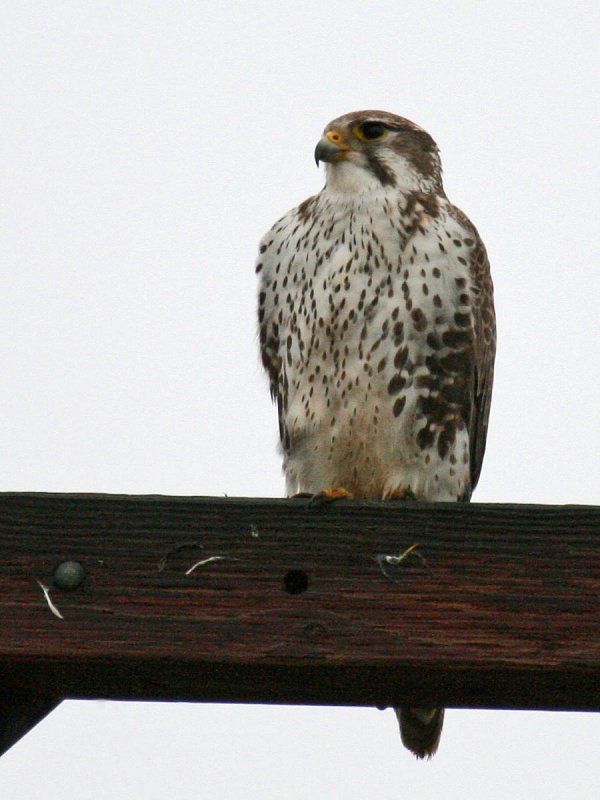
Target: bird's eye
{"x":371,"y":131}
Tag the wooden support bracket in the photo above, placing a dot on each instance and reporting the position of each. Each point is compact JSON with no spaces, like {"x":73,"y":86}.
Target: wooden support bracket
{"x":249,"y":600}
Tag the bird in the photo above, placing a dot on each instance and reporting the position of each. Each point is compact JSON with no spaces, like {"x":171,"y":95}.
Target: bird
{"x":377,"y":333}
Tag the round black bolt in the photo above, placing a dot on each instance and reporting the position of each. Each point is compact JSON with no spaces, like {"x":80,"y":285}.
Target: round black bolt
{"x":69,"y":575}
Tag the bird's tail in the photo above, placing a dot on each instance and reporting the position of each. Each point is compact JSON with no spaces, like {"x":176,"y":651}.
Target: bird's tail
{"x":420,"y":729}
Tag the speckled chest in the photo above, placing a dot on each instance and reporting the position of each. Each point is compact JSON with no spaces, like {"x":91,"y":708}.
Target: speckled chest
{"x":367,"y":300}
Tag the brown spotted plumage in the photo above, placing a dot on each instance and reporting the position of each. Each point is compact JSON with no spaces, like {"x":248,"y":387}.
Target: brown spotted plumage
{"x":377,"y":332}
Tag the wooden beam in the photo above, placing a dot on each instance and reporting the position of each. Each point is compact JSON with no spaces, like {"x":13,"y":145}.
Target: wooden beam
{"x":249,"y":600}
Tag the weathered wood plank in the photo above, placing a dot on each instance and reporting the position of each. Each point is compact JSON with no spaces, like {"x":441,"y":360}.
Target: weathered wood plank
{"x":497,"y":606}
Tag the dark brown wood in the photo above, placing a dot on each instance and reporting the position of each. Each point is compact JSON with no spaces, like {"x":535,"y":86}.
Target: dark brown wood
{"x":497,"y":605}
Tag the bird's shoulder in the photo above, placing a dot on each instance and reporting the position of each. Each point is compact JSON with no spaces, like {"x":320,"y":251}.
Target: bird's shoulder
{"x":284,"y":230}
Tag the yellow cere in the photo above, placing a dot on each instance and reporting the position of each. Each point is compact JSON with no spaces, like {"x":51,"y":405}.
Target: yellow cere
{"x":335,"y":137}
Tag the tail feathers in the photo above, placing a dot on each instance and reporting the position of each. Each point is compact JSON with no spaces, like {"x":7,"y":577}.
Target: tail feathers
{"x":420,"y":729}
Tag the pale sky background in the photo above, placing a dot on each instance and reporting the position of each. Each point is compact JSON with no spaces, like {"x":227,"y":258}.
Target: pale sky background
{"x":146,"y":147}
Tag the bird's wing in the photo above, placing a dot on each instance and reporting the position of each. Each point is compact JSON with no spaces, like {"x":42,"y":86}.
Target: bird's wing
{"x":484,"y":345}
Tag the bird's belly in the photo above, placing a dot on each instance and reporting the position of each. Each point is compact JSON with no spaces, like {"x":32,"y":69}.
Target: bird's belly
{"x":377,"y":371}
{"x":353,"y":437}
{"x":355,"y":447}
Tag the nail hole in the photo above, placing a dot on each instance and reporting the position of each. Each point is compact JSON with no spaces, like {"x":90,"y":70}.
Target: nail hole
{"x":295,"y":581}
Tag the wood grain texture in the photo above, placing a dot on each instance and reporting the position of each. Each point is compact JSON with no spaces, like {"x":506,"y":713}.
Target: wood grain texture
{"x":498,"y":605}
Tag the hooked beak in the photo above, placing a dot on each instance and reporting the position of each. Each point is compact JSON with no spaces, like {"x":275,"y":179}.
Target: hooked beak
{"x":330,"y":148}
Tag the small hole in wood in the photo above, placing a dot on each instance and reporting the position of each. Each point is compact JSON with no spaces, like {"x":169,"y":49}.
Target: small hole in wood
{"x":295,"y":581}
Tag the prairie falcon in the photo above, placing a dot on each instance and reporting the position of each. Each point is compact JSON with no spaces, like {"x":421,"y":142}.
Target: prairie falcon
{"x":377,"y":331}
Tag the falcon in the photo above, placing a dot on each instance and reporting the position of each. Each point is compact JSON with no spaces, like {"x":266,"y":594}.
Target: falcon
{"x":377,"y":332}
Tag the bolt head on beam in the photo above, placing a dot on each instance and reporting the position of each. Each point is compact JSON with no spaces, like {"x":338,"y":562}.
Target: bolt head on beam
{"x":69,"y":576}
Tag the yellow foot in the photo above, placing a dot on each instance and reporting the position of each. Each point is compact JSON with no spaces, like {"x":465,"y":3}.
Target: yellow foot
{"x":330,"y":496}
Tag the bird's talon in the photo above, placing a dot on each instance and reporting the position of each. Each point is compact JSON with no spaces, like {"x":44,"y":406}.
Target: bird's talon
{"x":329,"y":496}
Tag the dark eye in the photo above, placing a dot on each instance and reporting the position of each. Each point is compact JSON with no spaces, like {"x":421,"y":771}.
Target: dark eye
{"x":372,"y":130}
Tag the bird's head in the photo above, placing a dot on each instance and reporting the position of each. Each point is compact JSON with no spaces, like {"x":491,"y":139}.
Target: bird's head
{"x":366,"y":150}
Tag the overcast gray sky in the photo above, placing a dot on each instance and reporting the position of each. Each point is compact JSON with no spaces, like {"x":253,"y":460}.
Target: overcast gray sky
{"x":147,"y":146}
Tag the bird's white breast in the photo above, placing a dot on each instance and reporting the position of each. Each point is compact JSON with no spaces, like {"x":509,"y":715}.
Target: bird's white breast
{"x":351,"y":290}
